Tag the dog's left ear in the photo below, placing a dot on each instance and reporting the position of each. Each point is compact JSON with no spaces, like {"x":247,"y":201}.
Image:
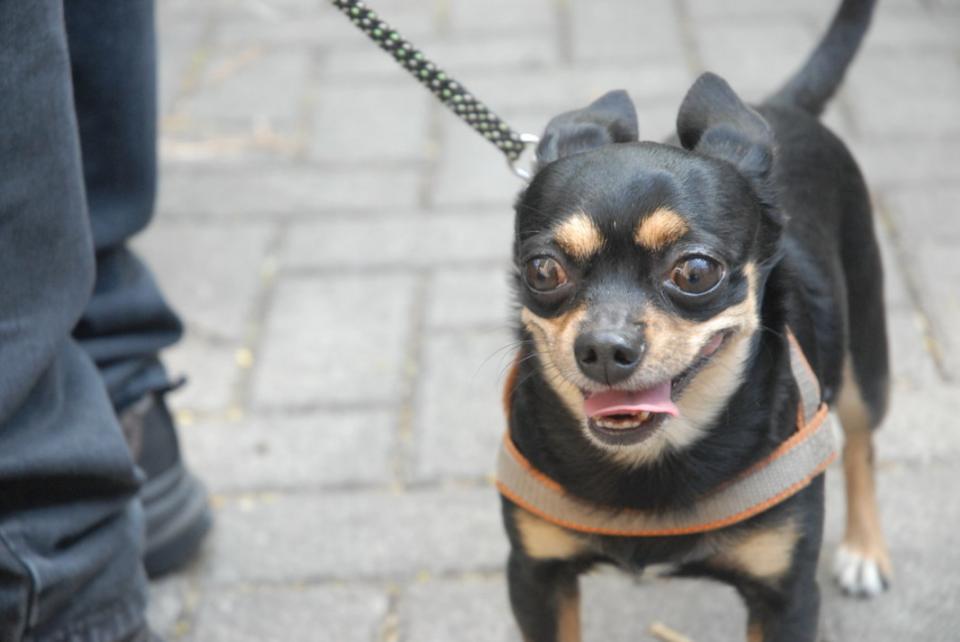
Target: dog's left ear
{"x":714,"y":121}
{"x":612,"y":118}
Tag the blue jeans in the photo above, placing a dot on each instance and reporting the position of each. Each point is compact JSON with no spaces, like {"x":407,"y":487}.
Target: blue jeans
{"x":81,"y":319}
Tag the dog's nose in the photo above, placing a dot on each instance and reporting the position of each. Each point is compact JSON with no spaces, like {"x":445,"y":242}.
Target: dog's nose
{"x":608,"y":356}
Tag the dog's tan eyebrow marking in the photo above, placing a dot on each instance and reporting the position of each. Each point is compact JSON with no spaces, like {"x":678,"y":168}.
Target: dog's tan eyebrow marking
{"x":660,"y":229}
{"x":579,"y":236}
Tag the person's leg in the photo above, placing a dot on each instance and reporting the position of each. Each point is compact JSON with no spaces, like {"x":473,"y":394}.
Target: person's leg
{"x":128,"y":322}
{"x":70,"y":534}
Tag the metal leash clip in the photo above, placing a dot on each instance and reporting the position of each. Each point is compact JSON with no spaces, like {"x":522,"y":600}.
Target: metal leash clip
{"x":528,"y":140}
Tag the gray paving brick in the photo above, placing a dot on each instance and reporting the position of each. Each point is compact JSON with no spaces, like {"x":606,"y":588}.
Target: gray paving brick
{"x":624,"y":31}
{"x":906,"y":28}
{"x":939,"y":274}
{"x":230,"y":259}
{"x":921,"y":426}
{"x":248,"y":83}
{"x":170,"y":608}
{"x":356,"y":534}
{"x":895,"y":291}
{"x":753,"y":9}
{"x":925,"y":214}
{"x":459,"y":420}
{"x":335,"y":340}
{"x":276,"y":27}
{"x":755,"y":57}
{"x":415,"y":20}
{"x":457,"y":56}
{"x":278,"y":189}
{"x":179,"y":41}
{"x":906,"y":161}
{"x":614,"y":608}
{"x":277,"y":614}
{"x":470,"y":298}
{"x":569,"y":87}
{"x":499,"y":16}
{"x":405,"y":238}
{"x":929,"y":231}
{"x":903,"y":95}
{"x":912,"y":366}
{"x":818,"y":12}
{"x":270,"y":452}
{"x":211,"y":371}
{"x":371,"y":123}
{"x":475,"y":609}
{"x":920,"y":528}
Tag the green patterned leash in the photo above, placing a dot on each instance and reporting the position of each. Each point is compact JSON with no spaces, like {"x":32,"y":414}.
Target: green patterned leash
{"x":448,"y":91}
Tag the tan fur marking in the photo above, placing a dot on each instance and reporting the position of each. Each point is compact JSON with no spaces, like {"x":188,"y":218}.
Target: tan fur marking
{"x":863,"y":531}
{"x":754,"y":632}
{"x":579,"y":237}
{"x":568,"y":617}
{"x":765,"y":554}
{"x":552,"y":336}
{"x":543,"y":540}
{"x":660,"y":229}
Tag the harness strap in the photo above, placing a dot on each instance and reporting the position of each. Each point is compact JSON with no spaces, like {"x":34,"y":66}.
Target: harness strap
{"x":806,"y":380}
{"x":782,"y":474}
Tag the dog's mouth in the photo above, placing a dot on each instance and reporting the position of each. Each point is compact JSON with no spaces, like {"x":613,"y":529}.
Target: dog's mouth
{"x":627,"y":417}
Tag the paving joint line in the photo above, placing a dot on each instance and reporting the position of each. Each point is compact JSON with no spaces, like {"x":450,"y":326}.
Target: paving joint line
{"x":383,"y":582}
{"x":564,"y":32}
{"x":327,"y":216}
{"x":688,"y":38}
{"x":255,"y":334}
{"x":435,"y":137}
{"x":389,"y":629}
{"x":385,"y":269}
{"x":930,"y":330}
{"x":412,"y":487}
{"x":402,"y":463}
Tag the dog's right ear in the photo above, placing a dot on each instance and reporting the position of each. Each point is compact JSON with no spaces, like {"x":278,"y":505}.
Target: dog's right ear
{"x":612,"y":118}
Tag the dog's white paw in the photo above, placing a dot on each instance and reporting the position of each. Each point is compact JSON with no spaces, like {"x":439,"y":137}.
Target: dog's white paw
{"x":859,"y":574}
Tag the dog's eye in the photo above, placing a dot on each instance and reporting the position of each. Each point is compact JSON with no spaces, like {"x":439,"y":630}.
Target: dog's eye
{"x":544,"y":274}
{"x":696,"y":274}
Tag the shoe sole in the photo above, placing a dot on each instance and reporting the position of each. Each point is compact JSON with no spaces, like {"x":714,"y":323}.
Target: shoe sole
{"x":178,"y":517}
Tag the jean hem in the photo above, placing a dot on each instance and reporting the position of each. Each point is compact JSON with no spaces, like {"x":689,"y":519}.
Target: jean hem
{"x":115,"y":623}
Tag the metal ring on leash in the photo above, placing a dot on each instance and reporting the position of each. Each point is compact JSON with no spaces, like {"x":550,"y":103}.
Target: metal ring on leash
{"x":527,"y":140}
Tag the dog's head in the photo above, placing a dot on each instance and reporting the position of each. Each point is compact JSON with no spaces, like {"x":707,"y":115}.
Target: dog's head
{"x":641,"y":265}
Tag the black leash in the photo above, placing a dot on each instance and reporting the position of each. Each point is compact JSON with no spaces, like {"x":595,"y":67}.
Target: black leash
{"x":448,"y":91}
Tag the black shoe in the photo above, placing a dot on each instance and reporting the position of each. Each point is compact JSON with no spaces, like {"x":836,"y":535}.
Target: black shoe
{"x":174,"y":501}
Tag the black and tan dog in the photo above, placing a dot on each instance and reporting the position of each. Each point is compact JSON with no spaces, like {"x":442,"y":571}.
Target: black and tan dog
{"x":659,"y":284}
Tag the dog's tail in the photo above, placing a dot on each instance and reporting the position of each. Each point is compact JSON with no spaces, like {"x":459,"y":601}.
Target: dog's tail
{"x":815,"y":83}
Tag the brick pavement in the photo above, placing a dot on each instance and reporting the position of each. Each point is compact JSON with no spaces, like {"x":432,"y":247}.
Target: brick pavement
{"x":332,"y":238}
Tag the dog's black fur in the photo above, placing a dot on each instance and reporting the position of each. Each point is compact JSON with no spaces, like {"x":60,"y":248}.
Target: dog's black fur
{"x":770,"y":188}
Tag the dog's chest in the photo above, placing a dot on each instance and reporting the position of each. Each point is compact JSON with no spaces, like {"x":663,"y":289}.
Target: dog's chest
{"x":640,"y":554}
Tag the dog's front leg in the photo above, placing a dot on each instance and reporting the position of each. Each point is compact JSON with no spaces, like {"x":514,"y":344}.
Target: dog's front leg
{"x":775,"y":617}
{"x":545,"y":597}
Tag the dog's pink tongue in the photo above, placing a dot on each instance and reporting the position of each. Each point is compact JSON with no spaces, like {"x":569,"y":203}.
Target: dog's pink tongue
{"x":622,"y":402}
